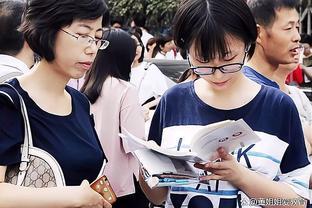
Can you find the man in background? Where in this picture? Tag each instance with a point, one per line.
(16, 57)
(278, 38)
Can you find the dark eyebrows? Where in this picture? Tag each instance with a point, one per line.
(89, 27)
(85, 25)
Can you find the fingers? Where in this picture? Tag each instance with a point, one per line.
(85, 183)
(210, 166)
(225, 163)
(224, 155)
(199, 166)
(211, 177)
(106, 204)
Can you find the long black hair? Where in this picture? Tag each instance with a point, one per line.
(114, 61)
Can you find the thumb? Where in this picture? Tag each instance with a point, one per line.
(85, 183)
(223, 154)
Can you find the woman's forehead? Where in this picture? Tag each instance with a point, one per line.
(95, 24)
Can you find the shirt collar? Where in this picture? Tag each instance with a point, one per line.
(10, 61)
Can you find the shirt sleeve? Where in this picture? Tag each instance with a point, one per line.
(295, 167)
(11, 132)
(156, 128)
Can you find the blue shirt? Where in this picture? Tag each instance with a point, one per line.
(70, 139)
(257, 77)
(280, 155)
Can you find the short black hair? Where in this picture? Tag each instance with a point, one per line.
(139, 20)
(208, 22)
(44, 18)
(11, 40)
(113, 61)
(161, 40)
(116, 19)
(264, 11)
(106, 19)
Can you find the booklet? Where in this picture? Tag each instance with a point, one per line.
(162, 166)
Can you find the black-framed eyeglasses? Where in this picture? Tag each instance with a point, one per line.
(87, 40)
(226, 68)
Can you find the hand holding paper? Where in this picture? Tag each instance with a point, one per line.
(165, 167)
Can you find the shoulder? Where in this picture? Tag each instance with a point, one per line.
(277, 98)
(79, 98)
(117, 86)
(179, 92)
(181, 88)
(299, 92)
(9, 93)
(126, 88)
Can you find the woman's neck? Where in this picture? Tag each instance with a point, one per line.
(45, 77)
(230, 98)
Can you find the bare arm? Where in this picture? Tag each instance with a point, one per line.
(266, 188)
(246, 180)
(57, 197)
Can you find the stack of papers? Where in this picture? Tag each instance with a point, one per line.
(167, 167)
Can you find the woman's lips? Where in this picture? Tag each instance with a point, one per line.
(86, 65)
(220, 84)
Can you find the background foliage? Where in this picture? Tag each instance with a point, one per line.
(158, 13)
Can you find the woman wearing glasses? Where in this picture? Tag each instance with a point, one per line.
(219, 35)
(66, 35)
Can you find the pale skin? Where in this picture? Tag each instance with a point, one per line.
(221, 91)
(46, 86)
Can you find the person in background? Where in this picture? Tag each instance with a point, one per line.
(219, 36)
(117, 22)
(139, 20)
(164, 44)
(306, 41)
(277, 41)
(150, 46)
(147, 78)
(66, 35)
(301, 101)
(16, 57)
(115, 106)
